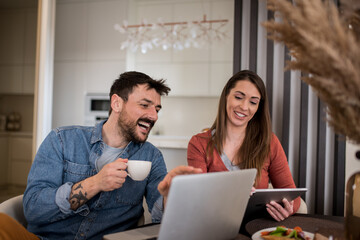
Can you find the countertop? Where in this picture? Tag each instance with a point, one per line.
(160, 141)
(15, 134)
(166, 141)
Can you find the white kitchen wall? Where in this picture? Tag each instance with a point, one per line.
(196, 75)
(88, 58)
(192, 71)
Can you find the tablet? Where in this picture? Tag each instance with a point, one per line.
(256, 207)
(263, 196)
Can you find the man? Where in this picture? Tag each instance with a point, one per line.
(78, 186)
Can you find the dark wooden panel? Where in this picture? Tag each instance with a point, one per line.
(254, 6)
(237, 36)
(286, 106)
(339, 176)
(320, 164)
(339, 169)
(304, 113)
(270, 67)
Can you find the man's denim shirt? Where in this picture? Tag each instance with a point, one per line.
(67, 156)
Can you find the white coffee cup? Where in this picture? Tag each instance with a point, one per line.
(138, 169)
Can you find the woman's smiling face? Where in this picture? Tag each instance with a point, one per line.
(242, 103)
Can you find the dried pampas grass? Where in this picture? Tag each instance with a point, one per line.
(326, 46)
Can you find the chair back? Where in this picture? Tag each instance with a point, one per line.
(14, 208)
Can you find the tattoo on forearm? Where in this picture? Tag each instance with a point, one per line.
(77, 197)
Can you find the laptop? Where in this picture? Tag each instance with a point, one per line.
(200, 206)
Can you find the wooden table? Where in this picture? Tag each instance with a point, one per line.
(325, 225)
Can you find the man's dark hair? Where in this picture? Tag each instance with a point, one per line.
(124, 85)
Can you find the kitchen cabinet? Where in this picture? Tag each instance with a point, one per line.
(17, 50)
(19, 157)
(3, 158)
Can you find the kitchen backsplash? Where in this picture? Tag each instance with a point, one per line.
(185, 116)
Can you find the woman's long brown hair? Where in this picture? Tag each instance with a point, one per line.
(256, 145)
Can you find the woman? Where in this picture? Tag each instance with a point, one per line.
(241, 138)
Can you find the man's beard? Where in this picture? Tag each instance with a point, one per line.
(128, 128)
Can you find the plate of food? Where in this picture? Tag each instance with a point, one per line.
(282, 233)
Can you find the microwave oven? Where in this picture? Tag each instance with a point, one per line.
(97, 107)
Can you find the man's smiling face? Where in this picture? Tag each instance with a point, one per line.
(139, 113)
